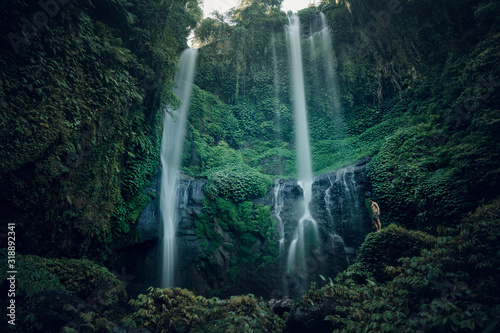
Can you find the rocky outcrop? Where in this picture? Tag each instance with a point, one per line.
(339, 203)
(280, 306)
(190, 248)
(148, 223)
(313, 319)
(338, 206)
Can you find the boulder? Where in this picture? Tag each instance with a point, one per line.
(312, 319)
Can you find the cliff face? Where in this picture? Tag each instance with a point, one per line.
(338, 206)
(80, 86)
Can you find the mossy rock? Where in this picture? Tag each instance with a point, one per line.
(384, 248)
(59, 311)
(81, 277)
(237, 183)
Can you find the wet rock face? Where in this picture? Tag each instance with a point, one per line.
(190, 248)
(148, 220)
(313, 319)
(337, 205)
(280, 306)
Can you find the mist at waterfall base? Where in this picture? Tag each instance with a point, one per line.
(172, 145)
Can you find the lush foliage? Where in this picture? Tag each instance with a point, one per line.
(245, 231)
(179, 310)
(383, 249)
(79, 106)
(45, 285)
(418, 85)
(81, 277)
(441, 289)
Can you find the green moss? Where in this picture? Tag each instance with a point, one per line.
(237, 183)
(385, 248)
(246, 224)
(81, 277)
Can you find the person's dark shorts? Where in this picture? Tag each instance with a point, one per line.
(375, 216)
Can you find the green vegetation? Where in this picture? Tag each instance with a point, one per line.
(443, 287)
(238, 228)
(80, 120)
(383, 249)
(418, 92)
(61, 285)
(179, 310)
(81, 277)
(237, 183)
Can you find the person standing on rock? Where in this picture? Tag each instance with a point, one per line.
(376, 215)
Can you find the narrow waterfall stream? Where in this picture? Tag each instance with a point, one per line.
(278, 206)
(172, 145)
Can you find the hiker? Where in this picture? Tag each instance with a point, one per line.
(376, 215)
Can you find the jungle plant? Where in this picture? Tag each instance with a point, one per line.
(179, 310)
(442, 288)
(237, 183)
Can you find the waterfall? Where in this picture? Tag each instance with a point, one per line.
(343, 207)
(296, 254)
(329, 64)
(278, 206)
(172, 145)
(304, 169)
(323, 75)
(322, 57)
(276, 84)
(328, 196)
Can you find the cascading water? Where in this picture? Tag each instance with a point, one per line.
(276, 84)
(323, 73)
(278, 206)
(345, 213)
(296, 254)
(172, 144)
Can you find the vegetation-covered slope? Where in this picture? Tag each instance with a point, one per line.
(80, 95)
(424, 286)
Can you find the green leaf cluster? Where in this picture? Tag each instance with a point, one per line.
(81, 277)
(39, 279)
(179, 310)
(236, 183)
(245, 230)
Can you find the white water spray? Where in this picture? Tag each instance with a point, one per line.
(172, 145)
(296, 254)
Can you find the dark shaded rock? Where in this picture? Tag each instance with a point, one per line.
(131, 330)
(280, 306)
(148, 221)
(53, 310)
(313, 319)
(339, 203)
(190, 249)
